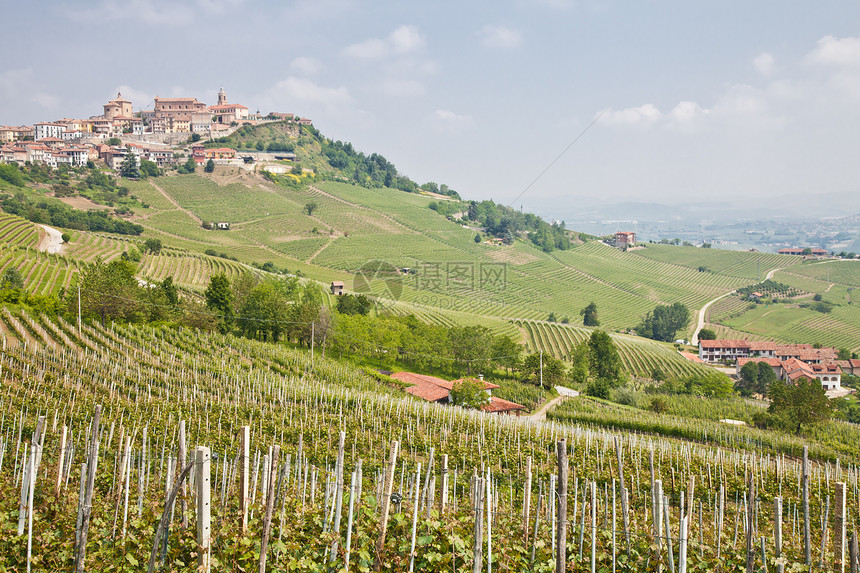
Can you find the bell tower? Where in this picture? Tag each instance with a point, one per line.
(222, 96)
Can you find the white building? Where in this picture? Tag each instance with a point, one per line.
(44, 129)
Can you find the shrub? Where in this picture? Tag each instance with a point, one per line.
(599, 388)
(659, 404)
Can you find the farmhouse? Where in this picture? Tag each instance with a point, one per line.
(435, 389)
(800, 251)
(624, 239)
(791, 370)
(337, 288)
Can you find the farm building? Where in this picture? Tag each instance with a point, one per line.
(624, 239)
(435, 389)
(791, 370)
(722, 350)
(799, 251)
(337, 288)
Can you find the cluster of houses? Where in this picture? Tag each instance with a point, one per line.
(75, 141)
(799, 251)
(790, 362)
(433, 389)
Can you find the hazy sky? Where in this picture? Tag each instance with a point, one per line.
(746, 100)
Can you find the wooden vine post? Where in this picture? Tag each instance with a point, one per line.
(839, 528)
(204, 521)
(624, 505)
(527, 498)
(270, 503)
(87, 507)
(751, 526)
(807, 542)
(244, 466)
(477, 553)
(387, 488)
(561, 522)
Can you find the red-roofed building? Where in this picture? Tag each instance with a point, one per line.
(791, 370)
(435, 389)
(624, 239)
(722, 350)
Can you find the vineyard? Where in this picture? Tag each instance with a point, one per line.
(305, 464)
(640, 356)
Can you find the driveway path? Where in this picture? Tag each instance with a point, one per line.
(563, 394)
(52, 242)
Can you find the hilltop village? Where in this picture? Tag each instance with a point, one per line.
(149, 134)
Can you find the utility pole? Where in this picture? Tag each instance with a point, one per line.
(541, 368)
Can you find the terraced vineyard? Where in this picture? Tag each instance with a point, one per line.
(17, 231)
(640, 356)
(319, 436)
(742, 264)
(42, 273)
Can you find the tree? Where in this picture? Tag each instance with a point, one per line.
(219, 299)
(190, 166)
(799, 404)
(664, 321)
(553, 370)
(129, 168)
(589, 315)
(12, 279)
(470, 345)
(210, 166)
(551, 317)
(264, 312)
(478, 238)
(310, 208)
(353, 304)
(109, 291)
(707, 334)
(469, 393)
(149, 168)
(114, 141)
(579, 360)
(506, 353)
(844, 354)
(603, 358)
(152, 246)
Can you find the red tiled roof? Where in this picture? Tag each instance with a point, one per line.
(500, 405)
(762, 345)
(725, 343)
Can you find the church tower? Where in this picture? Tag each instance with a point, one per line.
(222, 96)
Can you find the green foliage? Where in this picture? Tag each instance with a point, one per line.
(603, 359)
(664, 321)
(219, 299)
(353, 304)
(755, 378)
(589, 315)
(60, 215)
(210, 166)
(469, 393)
(12, 279)
(310, 207)
(108, 291)
(553, 370)
(799, 404)
(477, 238)
(599, 388)
(129, 168)
(114, 141)
(152, 246)
(190, 166)
(707, 334)
(11, 174)
(659, 404)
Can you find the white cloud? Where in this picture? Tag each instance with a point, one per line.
(764, 64)
(404, 40)
(155, 12)
(368, 50)
(644, 115)
(500, 37)
(834, 51)
(686, 113)
(306, 65)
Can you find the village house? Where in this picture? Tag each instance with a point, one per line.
(47, 129)
(799, 251)
(625, 239)
(337, 288)
(224, 112)
(438, 390)
(792, 369)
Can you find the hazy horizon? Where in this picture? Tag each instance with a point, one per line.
(732, 101)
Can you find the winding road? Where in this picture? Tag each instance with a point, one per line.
(52, 242)
(704, 310)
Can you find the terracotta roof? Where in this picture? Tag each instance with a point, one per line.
(340, 284)
(227, 106)
(428, 391)
(761, 345)
(724, 343)
(500, 405)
